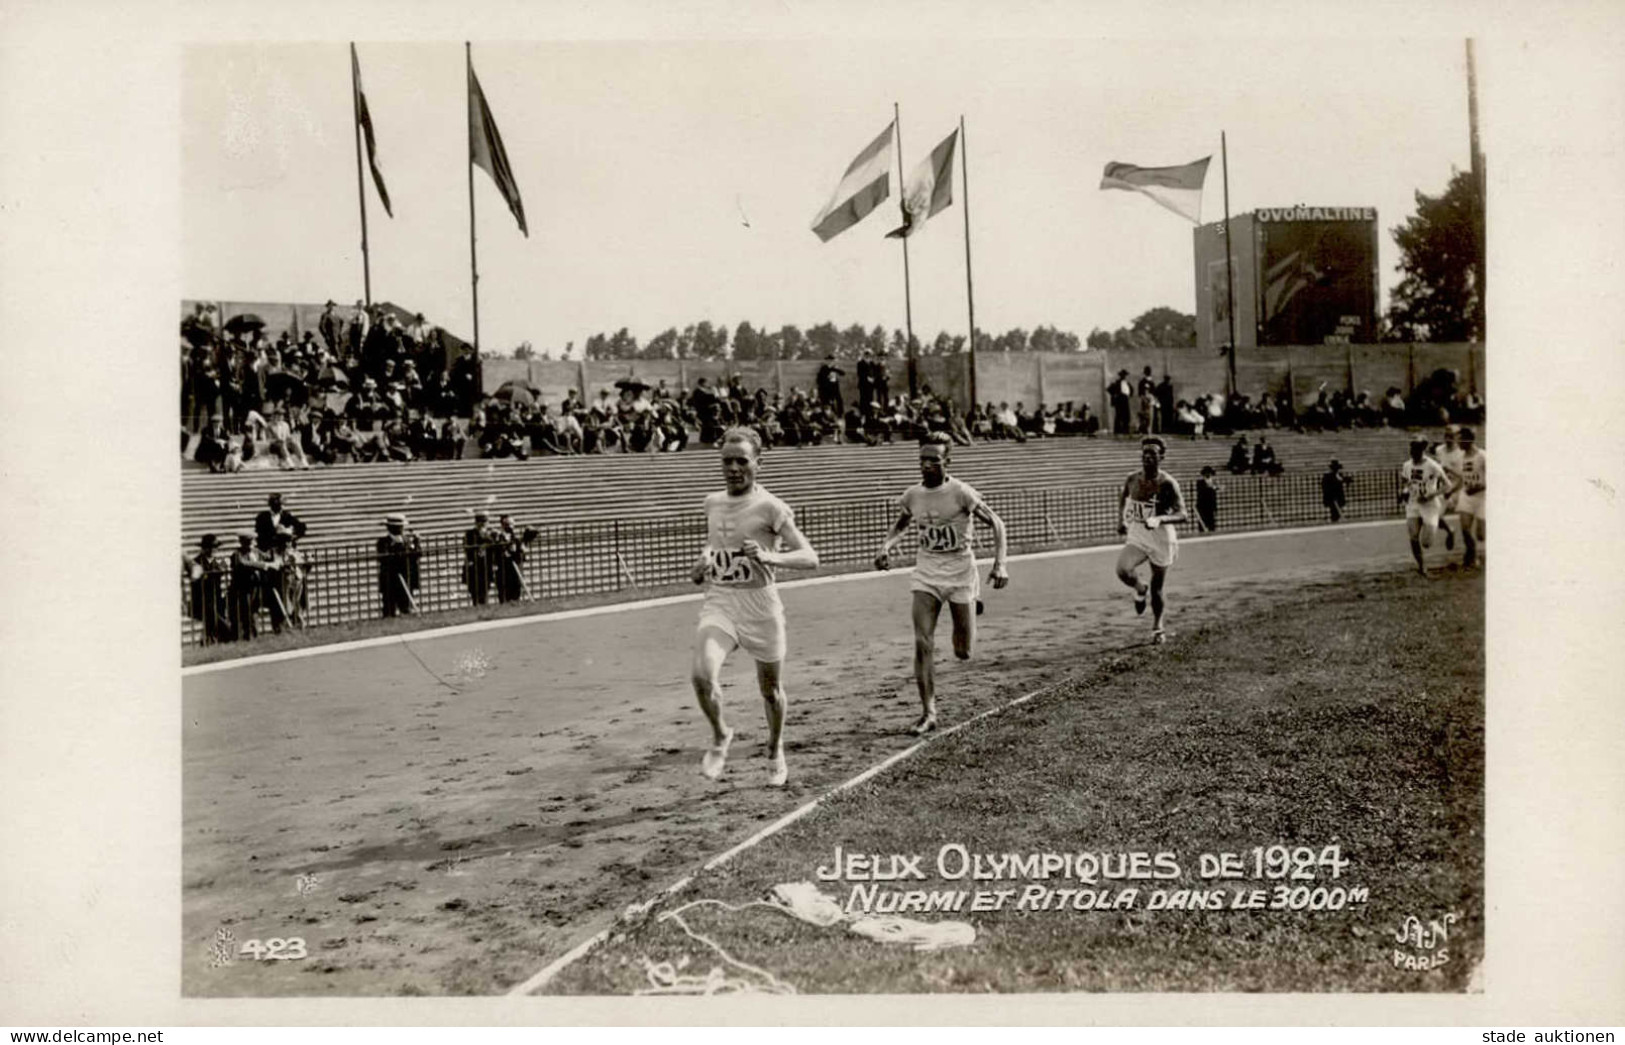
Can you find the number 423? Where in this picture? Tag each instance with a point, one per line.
(275, 949)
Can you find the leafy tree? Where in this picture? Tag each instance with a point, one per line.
(710, 342)
(524, 351)
(1163, 327)
(946, 344)
(854, 339)
(748, 344)
(1013, 340)
(662, 346)
(623, 345)
(876, 341)
(1438, 297)
(1099, 338)
(823, 340)
(597, 347)
(791, 342)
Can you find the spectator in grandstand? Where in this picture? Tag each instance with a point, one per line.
(315, 437)
(1146, 395)
(247, 573)
(852, 427)
(1264, 462)
(1393, 408)
(1207, 501)
(1007, 425)
(1334, 489)
(1189, 421)
(866, 382)
(1118, 392)
(1165, 402)
(1240, 462)
(356, 332)
(331, 326)
(284, 447)
(344, 441)
(671, 428)
(828, 384)
(206, 588)
(275, 519)
(399, 554)
(214, 445)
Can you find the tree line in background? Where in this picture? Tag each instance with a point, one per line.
(1438, 298)
(1159, 327)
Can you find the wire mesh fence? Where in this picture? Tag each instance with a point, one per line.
(334, 585)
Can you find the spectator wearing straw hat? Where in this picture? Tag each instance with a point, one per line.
(399, 552)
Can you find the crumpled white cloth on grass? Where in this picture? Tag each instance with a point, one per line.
(804, 901)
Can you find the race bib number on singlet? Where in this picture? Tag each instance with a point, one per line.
(730, 567)
(939, 537)
(1138, 511)
(1418, 484)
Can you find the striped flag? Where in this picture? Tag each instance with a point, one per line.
(866, 183)
(486, 152)
(930, 188)
(364, 118)
(1177, 188)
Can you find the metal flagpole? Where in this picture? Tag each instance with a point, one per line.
(970, 297)
(360, 181)
(1477, 159)
(473, 255)
(908, 306)
(1229, 272)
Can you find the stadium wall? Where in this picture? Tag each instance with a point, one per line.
(1031, 378)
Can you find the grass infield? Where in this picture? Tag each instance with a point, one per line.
(1347, 714)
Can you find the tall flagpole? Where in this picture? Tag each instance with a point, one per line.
(473, 255)
(360, 182)
(1229, 273)
(970, 296)
(1477, 159)
(908, 306)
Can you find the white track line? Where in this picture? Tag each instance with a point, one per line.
(672, 600)
(587, 946)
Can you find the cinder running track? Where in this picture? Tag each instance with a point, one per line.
(447, 814)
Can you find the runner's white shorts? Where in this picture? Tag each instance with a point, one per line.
(752, 617)
(1160, 545)
(1471, 504)
(949, 582)
(1429, 511)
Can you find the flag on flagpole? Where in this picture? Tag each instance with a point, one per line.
(1177, 188)
(929, 189)
(866, 183)
(486, 151)
(364, 117)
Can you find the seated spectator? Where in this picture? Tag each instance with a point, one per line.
(283, 446)
(567, 428)
(1240, 462)
(214, 445)
(1264, 462)
(1393, 408)
(1189, 420)
(853, 427)
(1006, 425)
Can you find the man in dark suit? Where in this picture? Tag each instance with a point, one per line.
(206, 583)
(479, 558)
(247, 580)
(398, 555)
(332, 328)
(274, 520)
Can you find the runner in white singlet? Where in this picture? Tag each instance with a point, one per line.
(944, 512)
(1148, 507)
(749, 534)
(1423, 494)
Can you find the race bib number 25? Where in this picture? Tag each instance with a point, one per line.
(731, 567)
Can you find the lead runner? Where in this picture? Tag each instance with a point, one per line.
(749, 533)
(1148, 506)
(945, 510)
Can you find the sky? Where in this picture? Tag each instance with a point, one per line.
(640, 162)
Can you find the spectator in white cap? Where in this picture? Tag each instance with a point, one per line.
(398, 556)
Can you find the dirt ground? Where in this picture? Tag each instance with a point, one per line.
(448, 815)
